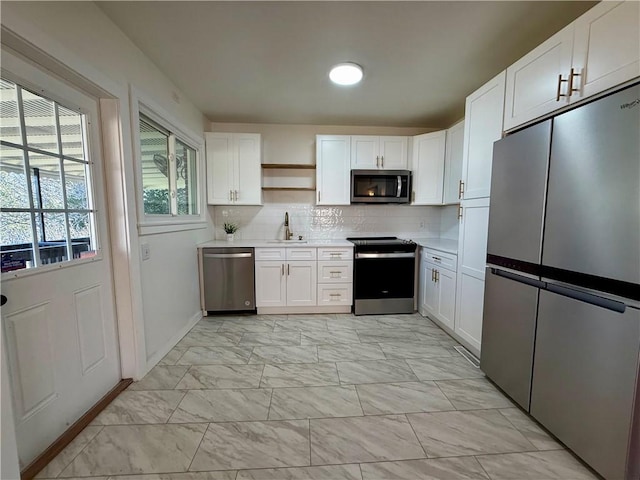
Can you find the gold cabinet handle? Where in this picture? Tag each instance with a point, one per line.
(318, 196)
(437, 276)
(558, 94)
(378, 161)
(231, 195)
(437, 259)
(573, 74)
(282, 272)
(235, 195)
(287, 269)
(382, 161)
(433, 275)
(460, 189)
(459, 212)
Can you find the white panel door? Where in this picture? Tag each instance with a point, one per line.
(532, 82)
(247, 169)
(302, 283)
(606, 47)
(333, 170)
(483, 126)
(271, 284)
(365, 152)
(219, 148)
(447, 297)
(453, 163)
(59, 321)
(393, 152)
(428, 168)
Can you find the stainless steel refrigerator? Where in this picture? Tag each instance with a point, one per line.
(561, 324)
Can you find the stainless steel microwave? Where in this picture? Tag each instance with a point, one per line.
(380, 186)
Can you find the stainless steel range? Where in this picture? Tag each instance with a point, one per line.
(384, 275)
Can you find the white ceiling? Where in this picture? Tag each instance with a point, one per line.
(268, 62)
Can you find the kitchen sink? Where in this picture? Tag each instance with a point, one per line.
(287, 241)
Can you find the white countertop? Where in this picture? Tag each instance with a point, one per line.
(441, 244)
(274, 244)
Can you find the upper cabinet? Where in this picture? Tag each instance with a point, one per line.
(484, 110)
(600, 50)
(233, 169)
(427, 165)
(453, 164)
(332, 169)
(371, 152)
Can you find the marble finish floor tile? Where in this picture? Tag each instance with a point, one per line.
(349, 352)
(285, 354)
(389, 335)
(247, 326)
(416, 350)
(302, 324)
(375, 371)
(299, 375)
(408, 397)
(363, 439)
(551, 465)
(55, 466)
(530, 429)
(462, 468)
(173, 356)
(221, 376)
(273, 338)
(449, 434)
(405, 321)
(162, 377)
(444, 368)
(246, 445)
(329, 337)
(329, 472)
(314, 402)
(139, 407)
(219, 475)
(352, 323)
(215, 356)
(473, 394)
(223, 406)
(210, 339)
(131, 449)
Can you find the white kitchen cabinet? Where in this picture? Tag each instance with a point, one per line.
(483, 125)
(599, 50)
(369, 152)
(453, 164)
(438, 286)
(301, 283)
(472, 258)
(427, 165)
(234, 176)
(333, 169)
(271, 284)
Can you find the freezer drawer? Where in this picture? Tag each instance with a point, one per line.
(228, 279)
(508, 333)
(584, 380)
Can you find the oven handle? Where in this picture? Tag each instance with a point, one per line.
(386, 255)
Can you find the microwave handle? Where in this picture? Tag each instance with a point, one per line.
(399, 186)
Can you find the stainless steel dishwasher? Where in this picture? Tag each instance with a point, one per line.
(228, 279)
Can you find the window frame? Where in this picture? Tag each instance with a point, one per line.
(149, 224)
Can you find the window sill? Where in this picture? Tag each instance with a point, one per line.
(51, 267)
(155, 228)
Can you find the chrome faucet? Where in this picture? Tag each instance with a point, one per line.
(288, 234)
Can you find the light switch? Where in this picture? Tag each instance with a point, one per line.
(145, 251)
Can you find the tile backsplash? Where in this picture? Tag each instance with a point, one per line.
(320, 222)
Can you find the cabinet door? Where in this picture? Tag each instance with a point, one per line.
(301, 283)
(393, 153)
(532, 82)
(219, 148)
(606, 47)
(483, 126)
(365, 152)
(247, 172)
(333, 169)
(453, 163)
(428, 289)
(447, 297)
(428, 168)
(270, 284)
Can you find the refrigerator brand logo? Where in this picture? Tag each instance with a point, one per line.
(635, 103)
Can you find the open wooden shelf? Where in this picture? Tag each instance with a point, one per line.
(289, 165)
(292, 189)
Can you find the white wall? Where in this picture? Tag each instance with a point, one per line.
(79, 35)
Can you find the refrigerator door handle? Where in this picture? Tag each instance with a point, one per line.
(587, 298)
(518, 278)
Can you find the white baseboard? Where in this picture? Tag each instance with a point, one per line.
(304, 310)
(153, 360)
(457, 337)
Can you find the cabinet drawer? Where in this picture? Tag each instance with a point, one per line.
(340, 253)
(444, 260)
(301, 253)
(335, 272)
(270, 253)
(340, 294)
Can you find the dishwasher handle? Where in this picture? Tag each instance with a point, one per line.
(228, 255)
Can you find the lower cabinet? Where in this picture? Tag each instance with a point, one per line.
(288, 283)
(437, 294)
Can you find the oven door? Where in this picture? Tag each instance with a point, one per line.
(384, 275)
(374, 186)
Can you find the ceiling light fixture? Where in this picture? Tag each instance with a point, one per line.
(346, 73)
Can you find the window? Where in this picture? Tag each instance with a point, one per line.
(169, 172)
(46, 206)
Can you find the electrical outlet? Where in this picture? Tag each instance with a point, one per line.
(422, 224)
(145, 251)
